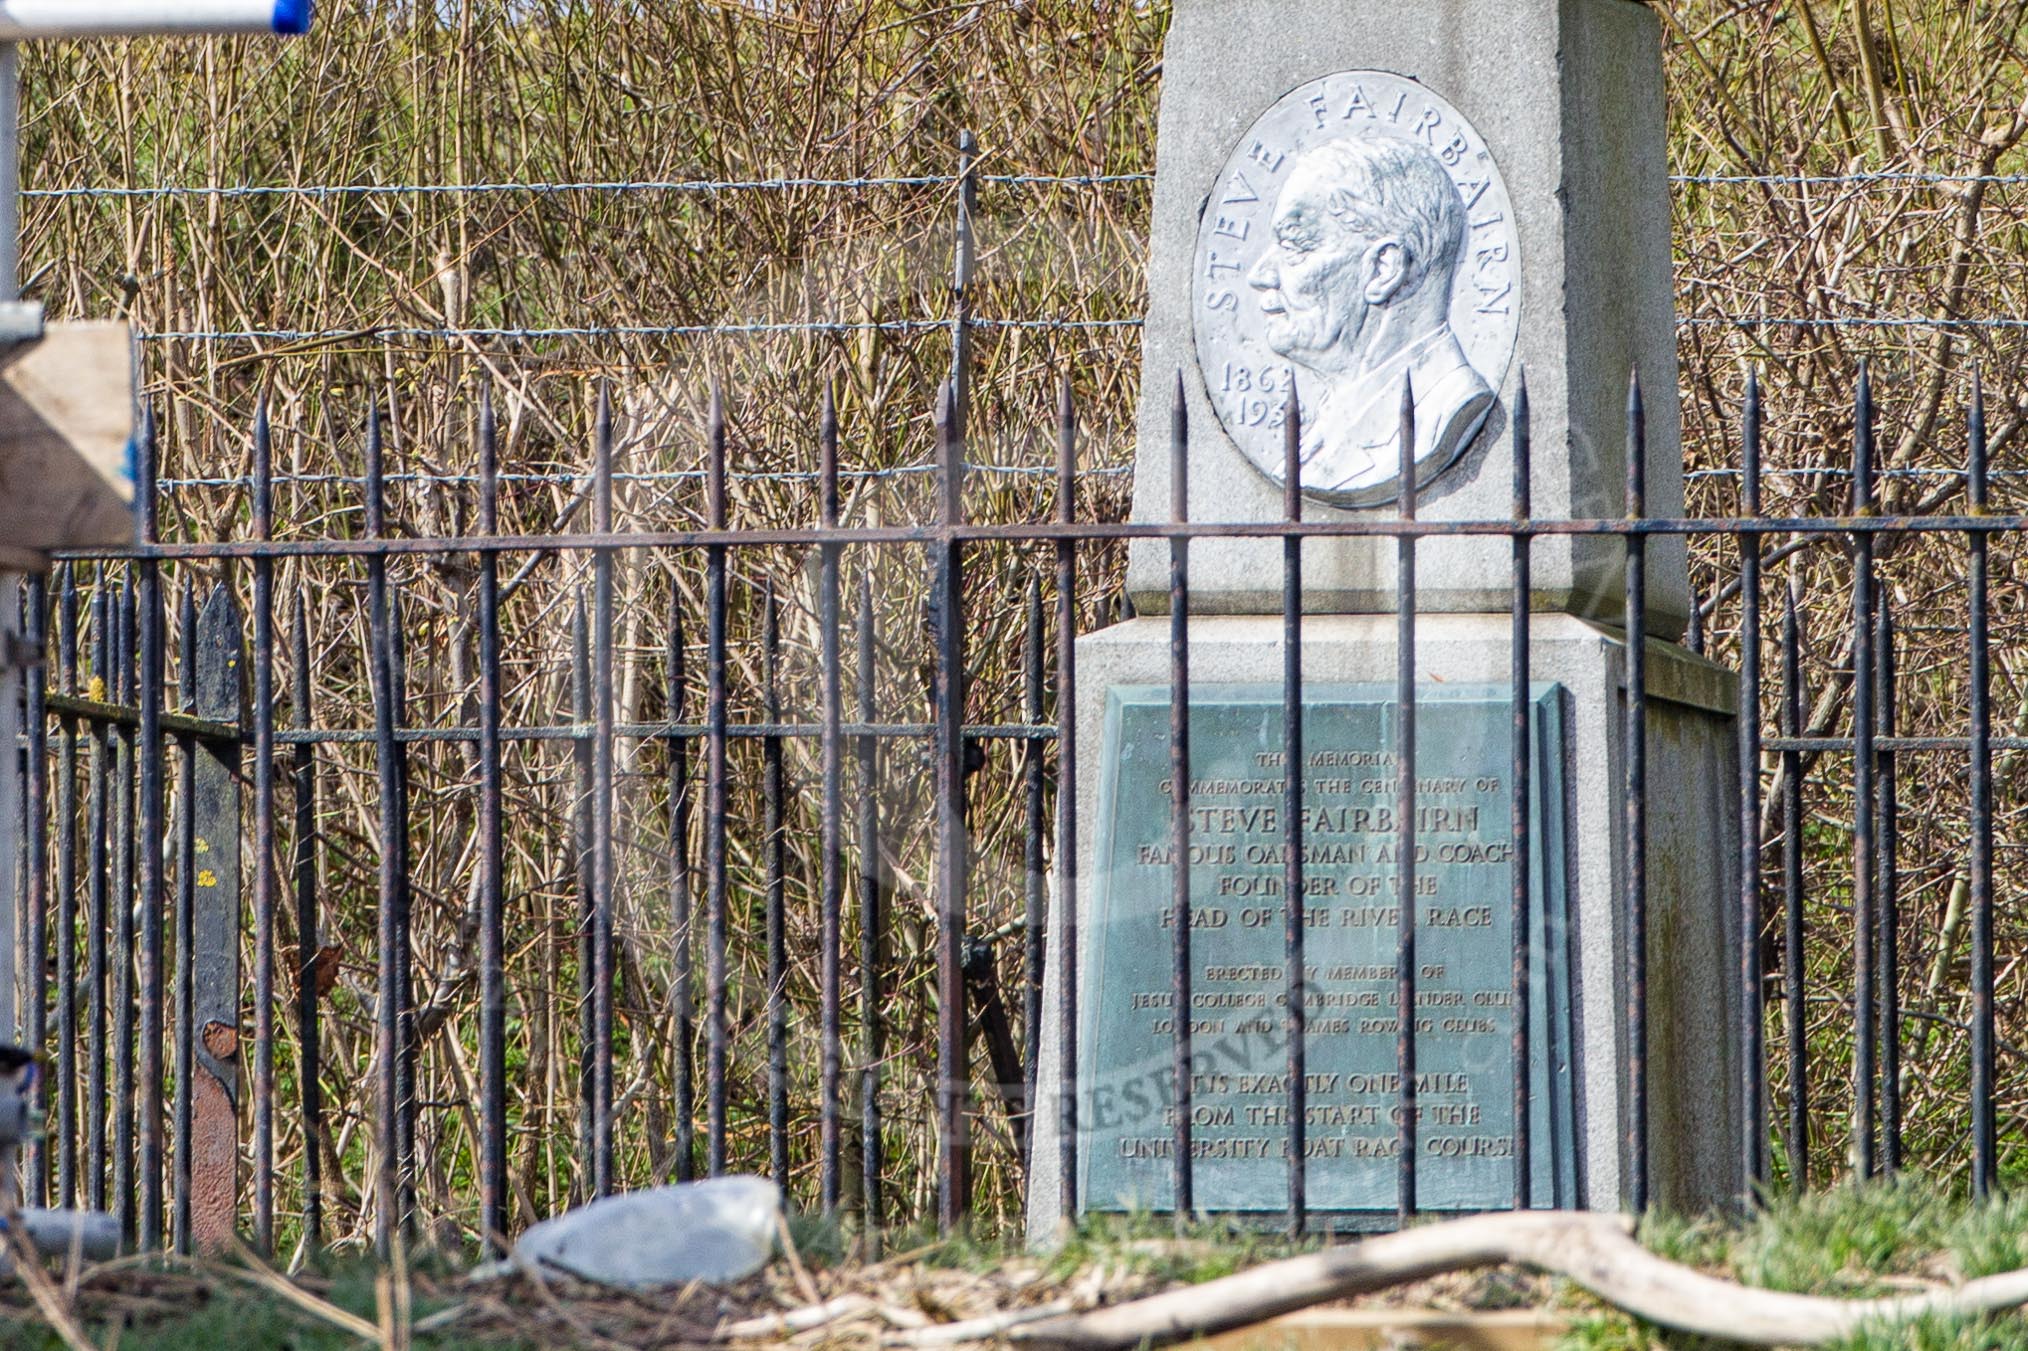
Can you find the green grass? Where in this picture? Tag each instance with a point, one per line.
(1846, 1242)
(1148, 1246)
(256, 1323)
(1850, 1243)
(1945, 1334)
(241, 1316)
(1140, 1245)
(224, 1311)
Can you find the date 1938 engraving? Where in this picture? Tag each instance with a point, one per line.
(1359, 235)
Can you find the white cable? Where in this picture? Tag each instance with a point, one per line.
(28, 20)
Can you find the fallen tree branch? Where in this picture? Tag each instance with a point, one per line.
(257, 1272)
(980, 1329)
(774, 1325)
(25, 1260)
(1597, 1252)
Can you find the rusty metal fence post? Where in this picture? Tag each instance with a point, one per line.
(214, 869)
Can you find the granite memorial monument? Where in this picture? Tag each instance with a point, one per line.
(1351, 194)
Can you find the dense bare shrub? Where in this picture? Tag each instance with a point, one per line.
(414, 300)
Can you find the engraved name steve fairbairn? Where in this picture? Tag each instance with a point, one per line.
(1358, 236)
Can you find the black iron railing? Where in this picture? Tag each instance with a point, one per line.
(119, 996)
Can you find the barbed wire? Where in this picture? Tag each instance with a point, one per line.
(1881, 178)
(1845, 471)
(924, 325)
(704, 186)
(620, 330)
(708, 186)
(512, 333)
(1847, 321)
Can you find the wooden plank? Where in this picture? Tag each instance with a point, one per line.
(66, 436)
(215, 925)
(1397, 1330)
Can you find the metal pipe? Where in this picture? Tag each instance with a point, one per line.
(493, 1192)
(1752, 995)
(126, 1003)
(1086, 532)
(406, 1039)
(66, 901)
(34, 20)
(1521, 835)
(774, 895)
(388, 1219)
(184, 971)
(98, 922)
(953, 1072)
(1181, 971)
(1294, 969)
(604, 877)
(872, 924)
(1034, 880)
(309, 967)
(35, 871)
(583, 772)
(1864, 1062)
(150, 848)
(1888, 883)
(1067, 954)
(1636, 767)
(715, 797)
(1793, 968)
(1404, 808)
(1985, 1134)
(264, 841)
(681, 899)
(831, 882)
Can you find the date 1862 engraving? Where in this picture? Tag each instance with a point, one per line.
(1359, 234)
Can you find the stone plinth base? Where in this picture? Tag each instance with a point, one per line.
(1691, 868)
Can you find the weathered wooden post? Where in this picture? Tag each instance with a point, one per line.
(67, 455)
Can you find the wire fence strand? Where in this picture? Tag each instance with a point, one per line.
(707, 186)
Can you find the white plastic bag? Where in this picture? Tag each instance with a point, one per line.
(715, 1231)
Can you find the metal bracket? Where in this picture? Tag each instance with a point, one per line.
(217, 1051)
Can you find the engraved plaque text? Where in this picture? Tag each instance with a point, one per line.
(1464, 912)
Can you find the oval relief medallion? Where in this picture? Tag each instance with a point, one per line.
(1359, 235)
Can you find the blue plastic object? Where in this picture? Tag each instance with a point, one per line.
(292, 16)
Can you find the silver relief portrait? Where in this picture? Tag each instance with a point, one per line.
(1358, 237)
